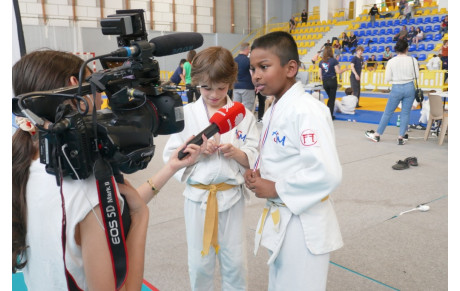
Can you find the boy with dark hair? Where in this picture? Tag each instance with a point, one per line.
(177, 77)
(296, 171)
(348, 103)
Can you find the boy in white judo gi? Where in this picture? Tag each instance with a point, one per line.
(348, 103)
(215, 191)
(297, 170)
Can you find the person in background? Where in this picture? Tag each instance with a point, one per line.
(408, 11)
(243, 89)
(371, 63)
(348, 103)
(177, 77)
(329, 68)
(374, 10)
(292, 24)
(419, 36)
(411, 34)
(434, 63)
(327, 43)
(191, 90)
(353, 41)
(402, 34)
(399, 72)
(344, 40)
(402, 6)
(444, 26)
(356, 68)
(387, 55)
(444, 51)
(304, 16)
(297, 170)
(214, 191)
(316, 57)
(337, 48)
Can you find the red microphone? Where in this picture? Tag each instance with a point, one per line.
(224, 120)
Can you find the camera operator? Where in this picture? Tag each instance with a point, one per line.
(38, 210)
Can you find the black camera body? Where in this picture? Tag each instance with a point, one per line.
(139, 109)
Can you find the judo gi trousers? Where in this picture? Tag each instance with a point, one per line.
(232, 253)
(295, 268)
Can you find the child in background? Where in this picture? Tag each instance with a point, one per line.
(215, 191)
(348, 103)
(297, 170)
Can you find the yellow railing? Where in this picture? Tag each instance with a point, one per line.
(375, 80)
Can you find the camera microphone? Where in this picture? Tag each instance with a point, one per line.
(224, 120)
(164, 45)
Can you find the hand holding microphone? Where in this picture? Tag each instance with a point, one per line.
(224, 120)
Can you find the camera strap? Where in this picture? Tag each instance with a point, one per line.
(111, 213)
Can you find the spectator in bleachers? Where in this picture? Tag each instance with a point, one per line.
(344, 40)
(292, 24)
(408, 11)
(387, 55)
(374, 10)
(316, 57)
(443, 28)
(443, 51)
(328, 70)
(434, 63)
(304, 16)
(337, 48)
(411, 35)
(356, 68)
(402, 34)
(328, 43)
(371, 63)
(353, 41)
(402, 6)
(420, 35)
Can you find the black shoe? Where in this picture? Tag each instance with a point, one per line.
(412, 161)
(401, 141)
(400, 165)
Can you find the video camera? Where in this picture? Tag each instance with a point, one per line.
(139, 108)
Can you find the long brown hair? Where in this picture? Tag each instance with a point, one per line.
(37, 71)
(327, 53)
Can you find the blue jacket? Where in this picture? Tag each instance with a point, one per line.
(244, 80)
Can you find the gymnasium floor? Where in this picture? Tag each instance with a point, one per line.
(383, 250)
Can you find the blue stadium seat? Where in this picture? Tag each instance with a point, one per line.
(389, 39)
(428, 37)
(362, 25)
(373, 49)
(365, 58)
(397, 22)
(379, 58)
(375, 40)
(390, 23)
(411, 21)
(368, 32)
(427, 20)
(360, 33)
(382, 40)
(435, 19)
(382, 31)
(430, 47)
(421, 47)
(437, 37)
(396, 30)
(383, 23)
(366, 49)
(381, 49)
(422, 57)
(375, 32)
(436, 27)
(412, 48)
(419, 21)
(427, 29)
(361, 41)
(404, 21)
(389, 31)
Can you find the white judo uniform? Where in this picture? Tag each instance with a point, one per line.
(212, 170)
(300, 227)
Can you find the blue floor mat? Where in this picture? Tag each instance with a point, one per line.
(373, 117)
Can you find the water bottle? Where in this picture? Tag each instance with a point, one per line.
(398, 122)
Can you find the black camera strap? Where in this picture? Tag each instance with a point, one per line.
(110, 208)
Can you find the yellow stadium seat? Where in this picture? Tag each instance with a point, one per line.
(324, 22)
(434, 11)
(334, 21)
(365, 11)
(300, 44)
(356, 26)
(329, 22)
(335, 15)
(308, 37)
(321, 29)
(396, 15)
(304, 37)
(445, 37)
(327, 29)
(358, 18)
(443, 11)
(297, 19)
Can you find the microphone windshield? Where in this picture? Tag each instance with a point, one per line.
(176, 43)
(228, 117)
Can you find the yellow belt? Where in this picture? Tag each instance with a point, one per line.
(211, 222)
